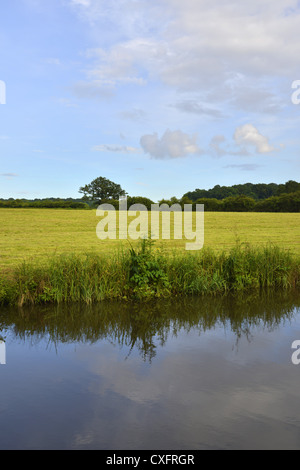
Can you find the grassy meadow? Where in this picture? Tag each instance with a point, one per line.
(37, 234)
(55, 256)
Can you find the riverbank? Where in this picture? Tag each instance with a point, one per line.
(144, 273)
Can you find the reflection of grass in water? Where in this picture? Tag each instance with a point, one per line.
(145, 326)
(145, 273)
(27, 234)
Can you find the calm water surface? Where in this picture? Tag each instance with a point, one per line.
(192, 374)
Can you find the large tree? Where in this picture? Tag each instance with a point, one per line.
(101, 189)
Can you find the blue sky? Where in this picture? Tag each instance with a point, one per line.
(160, 96)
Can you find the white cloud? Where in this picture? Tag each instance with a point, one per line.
(115, 148)
(195, 107)
(173, 144)
(127, 18)
(130, 62)
(217, 38)
(249, 135)
(195, 44)
(244, 137)
(85, 3)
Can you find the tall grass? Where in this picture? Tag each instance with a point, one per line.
(145, 273)
(241, 269)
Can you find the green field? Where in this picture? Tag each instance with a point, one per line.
(29, 234)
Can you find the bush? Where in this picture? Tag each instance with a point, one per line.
(146, 272)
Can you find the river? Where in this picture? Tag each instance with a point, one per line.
(196, 373)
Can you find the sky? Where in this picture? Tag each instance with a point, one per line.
(159, 96)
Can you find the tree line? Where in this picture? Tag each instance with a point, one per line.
(258, 191)
(238, 198)
(284, 203)
(51, 203)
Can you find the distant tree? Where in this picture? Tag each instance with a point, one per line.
(139, 200)
(174, 200)
(238, 204)
(185, 200)
(289, 202)
(289, 187)
(210, 204)
(165, 201)
(101, 189)
(267, 205)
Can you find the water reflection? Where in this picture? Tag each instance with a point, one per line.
(196, 373)
(147, 326)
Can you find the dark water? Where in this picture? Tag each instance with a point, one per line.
(192, 374)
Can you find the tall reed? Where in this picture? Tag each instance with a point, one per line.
(147, 273)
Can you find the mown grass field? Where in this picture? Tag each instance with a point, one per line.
(37, 234)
